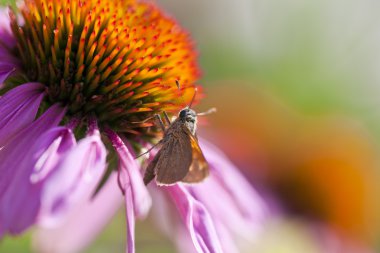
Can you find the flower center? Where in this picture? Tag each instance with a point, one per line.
(117, 60)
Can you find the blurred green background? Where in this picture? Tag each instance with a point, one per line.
(318, 60)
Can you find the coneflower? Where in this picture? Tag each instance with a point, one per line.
(79, 82)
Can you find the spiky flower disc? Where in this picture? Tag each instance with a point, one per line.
(117, 60)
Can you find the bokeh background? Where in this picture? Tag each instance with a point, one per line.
(297, 86)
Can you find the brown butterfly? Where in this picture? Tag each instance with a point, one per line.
(180, 157)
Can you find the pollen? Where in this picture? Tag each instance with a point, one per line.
(117, 60)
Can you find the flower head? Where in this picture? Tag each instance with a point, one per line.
(115, 60)
(79, 82)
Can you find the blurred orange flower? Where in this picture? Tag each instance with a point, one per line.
(323, 168)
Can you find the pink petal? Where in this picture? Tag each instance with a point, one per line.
(197, 219)
(76, 173)
(232, 218)
(19, 107)
(229, 221)
(85, 221)
(169, 221)
(185, 244)
(130, 218)
(183, 240)
(249, 202)
(130, 175)
(14, 154)
(58, 141)
(137, 198)
(19, 199)
(238, 211)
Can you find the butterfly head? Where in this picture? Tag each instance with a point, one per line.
(189, 118)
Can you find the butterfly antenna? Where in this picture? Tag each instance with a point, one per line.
(192, 100)
(179, 88)
(178, 84)
(209, 111)
(195, 93)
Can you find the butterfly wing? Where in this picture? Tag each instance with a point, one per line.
(150, 170)
(175, 156)
(199, 167)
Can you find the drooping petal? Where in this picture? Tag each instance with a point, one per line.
(19, 199)
(130, 218)
(177, 231)
(19, 107)
(169, 221)
(238, 211)
(16, 156)
(224, 208)
(129, 170)
(248, 201)
(59, 140)
(229, 222)
(185, 244)
(137, 198)
(83, 224)
(197, 219)
(71, 178)
(236, 225)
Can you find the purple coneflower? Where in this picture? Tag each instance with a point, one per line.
(79, 79)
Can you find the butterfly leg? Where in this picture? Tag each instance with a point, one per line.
(167, 119)
(143, 121)
(162, 126)
(160, 122)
